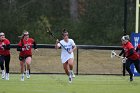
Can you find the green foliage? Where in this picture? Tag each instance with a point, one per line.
(99, 22)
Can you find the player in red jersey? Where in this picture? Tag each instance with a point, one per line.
(25, 47)
(131, 55)
(138, 50)
(4, 55)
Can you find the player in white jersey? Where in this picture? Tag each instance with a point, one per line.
(67, 55)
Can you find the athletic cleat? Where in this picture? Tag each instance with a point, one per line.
(3, 74)
(131, 78)
(28, 76)
(22, 78)
(7, 76)
(70, 79)
(73, 75)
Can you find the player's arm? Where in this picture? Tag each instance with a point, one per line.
(131, 52)
(138, 48)
(121, 53)
(73, 46)
(34, 45)
(19, 47)
(7, 45)
(57, 44)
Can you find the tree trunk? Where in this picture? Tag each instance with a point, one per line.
(74, 10)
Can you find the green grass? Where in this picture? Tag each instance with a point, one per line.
(59, 84)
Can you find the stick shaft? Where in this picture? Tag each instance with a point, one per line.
(119, 56)
(56, 38)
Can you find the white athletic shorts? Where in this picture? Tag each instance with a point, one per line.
(65, 58)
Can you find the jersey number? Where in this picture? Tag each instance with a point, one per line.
(68, 49)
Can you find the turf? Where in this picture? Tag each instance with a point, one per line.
(59, 84)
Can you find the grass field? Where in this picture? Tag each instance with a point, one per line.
(59, 84)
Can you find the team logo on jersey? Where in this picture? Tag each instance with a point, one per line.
(27, 46)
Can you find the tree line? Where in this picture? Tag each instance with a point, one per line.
(98, 22)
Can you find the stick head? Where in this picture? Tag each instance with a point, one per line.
(124, 60)
(113, 54)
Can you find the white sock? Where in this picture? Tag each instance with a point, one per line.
(70, 72)
(22, 74)
(27, 71)
(3, 71)
(7, 74)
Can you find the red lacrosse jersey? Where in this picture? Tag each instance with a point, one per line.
(2, 50)
(27, 46)
(138, 50)
(127, 47)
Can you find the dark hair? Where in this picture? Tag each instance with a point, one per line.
(64, 31)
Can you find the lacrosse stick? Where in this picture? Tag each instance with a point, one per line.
(114, 54)
(47, 28)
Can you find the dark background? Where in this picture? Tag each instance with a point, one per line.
(98, 22)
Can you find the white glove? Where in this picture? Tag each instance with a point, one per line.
(23, 49)
(124, 60)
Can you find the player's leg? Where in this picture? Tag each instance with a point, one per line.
(2, 67)
(128, 64)
(28, 62)
(137, 65)
(7, 62)
(22, 70)
(65, 66)
(71, 63)
(2, 70)
(22, 62)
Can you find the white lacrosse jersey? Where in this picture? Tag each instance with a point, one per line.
(65, 56)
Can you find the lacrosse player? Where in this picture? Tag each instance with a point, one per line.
(130, 54)
(4, 55)
(67, 57)
(138, 50)
(25, 56)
